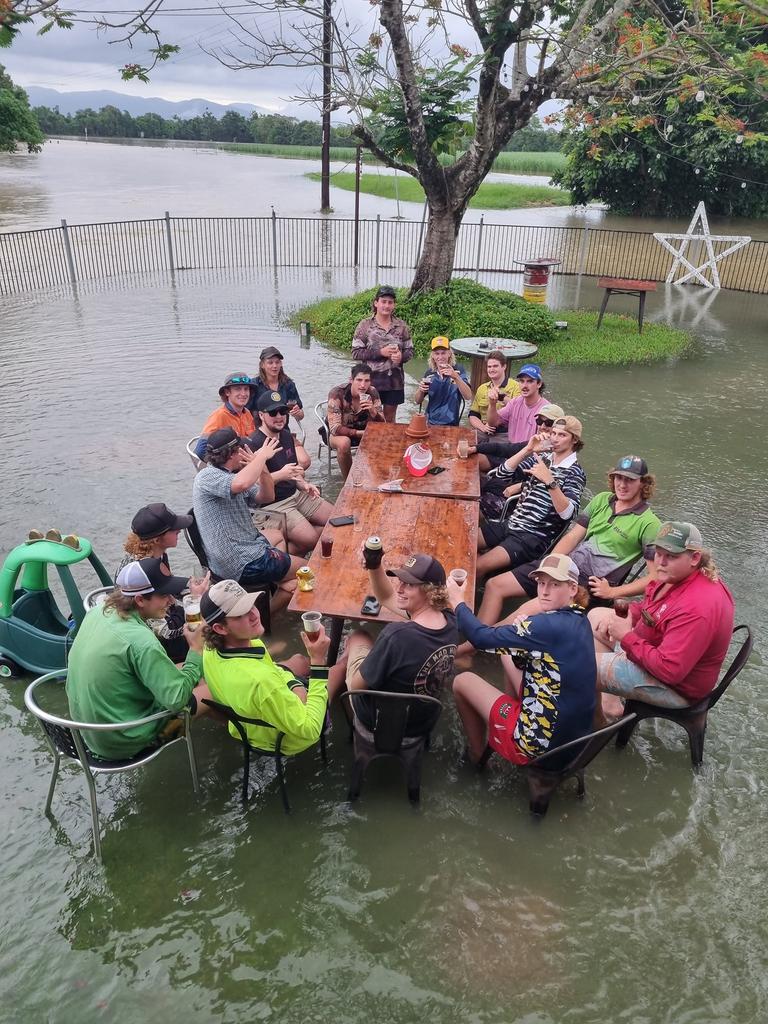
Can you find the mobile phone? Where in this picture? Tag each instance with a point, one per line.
(436, 469)
(370, 606)
(342, 520)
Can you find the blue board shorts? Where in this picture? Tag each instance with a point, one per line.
(617, 674)
(271, 567)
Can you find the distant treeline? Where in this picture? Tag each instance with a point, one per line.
(274, 129)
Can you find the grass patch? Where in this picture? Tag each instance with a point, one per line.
(488, 197)
(505, 163)
(467, 309)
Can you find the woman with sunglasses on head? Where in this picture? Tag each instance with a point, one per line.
(235, 393)
(271, 377)
(383, 342)
(616, 528)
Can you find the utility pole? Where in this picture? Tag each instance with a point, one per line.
(325, 156)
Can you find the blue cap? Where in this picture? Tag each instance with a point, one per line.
(530, 370)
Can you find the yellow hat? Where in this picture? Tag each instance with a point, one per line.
(440, 342)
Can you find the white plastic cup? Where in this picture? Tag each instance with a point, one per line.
(462, 448)
(458, 576)
(311, 621)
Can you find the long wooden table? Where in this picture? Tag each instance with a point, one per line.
(379, 458)
(445, 528)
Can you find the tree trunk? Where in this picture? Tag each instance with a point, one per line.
(436, 263)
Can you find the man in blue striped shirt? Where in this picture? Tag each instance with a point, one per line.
(548, 502)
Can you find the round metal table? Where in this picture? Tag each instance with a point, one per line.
(478, 349)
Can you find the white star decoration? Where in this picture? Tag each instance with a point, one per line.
(702, 234)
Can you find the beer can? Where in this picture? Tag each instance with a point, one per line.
(306, 578)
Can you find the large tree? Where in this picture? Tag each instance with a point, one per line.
(17, 122)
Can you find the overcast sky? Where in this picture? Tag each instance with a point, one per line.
(82, 59)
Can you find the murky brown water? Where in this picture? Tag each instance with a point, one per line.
(645, 903)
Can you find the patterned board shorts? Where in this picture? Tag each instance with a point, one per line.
(617, 674)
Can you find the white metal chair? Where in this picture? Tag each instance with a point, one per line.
(320, 411)
(97, 596)
(197, 462)
(64, 739)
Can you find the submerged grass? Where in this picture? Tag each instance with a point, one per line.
(617, 342)
(494, 196)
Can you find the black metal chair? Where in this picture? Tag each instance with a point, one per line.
(693, 718)
(277, 755)
(543, 781)
(390, 713)
(264, 590)
(64, 739)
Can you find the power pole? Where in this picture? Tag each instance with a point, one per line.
(325, 155)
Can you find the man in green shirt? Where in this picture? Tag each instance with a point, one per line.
(241, 673)
(118, 670)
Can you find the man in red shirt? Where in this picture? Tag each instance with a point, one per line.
(670, 651)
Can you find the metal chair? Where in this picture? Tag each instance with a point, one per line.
(197, 462)
(97, 596)
(64, 739)
(320, 411)
(461, 407)
(277, 755)
(390, 713)
(543, 780)
(264, 590)
(693, 718)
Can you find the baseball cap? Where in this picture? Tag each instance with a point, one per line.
(226, 598)
(155, 519)
(268, 401)
(269, 352)
(679, 537)
(233, 379)
(569, 423)
(440, 342)
(632, 466)
(420, 569)
(386, 290)
(223, 438)
(559, 567)
(530, 370)
(149, 576)
(551, 412)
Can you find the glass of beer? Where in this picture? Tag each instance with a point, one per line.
(192, 615)
(326, 545)
(311, 622)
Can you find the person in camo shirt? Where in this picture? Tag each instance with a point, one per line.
(383, 341)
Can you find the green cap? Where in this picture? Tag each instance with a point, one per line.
(679, 537)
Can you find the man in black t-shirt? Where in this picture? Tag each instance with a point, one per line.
(306, 512)
(412, 656)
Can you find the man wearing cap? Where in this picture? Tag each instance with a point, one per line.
(383, 341)
(518, 416)
(670, 650)
(615, 529)
(272, 377)
(549, 698)
(444, 384)
(240, 672)
(549, 500)
(305, 510)
(234, 477)
(351, 407)
(154, 530)
(118, 670)
(234, 393)
(412, 656)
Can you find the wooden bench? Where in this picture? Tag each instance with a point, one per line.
(625, 286)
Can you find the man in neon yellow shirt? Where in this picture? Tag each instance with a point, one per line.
(499, 386)
(241, 673)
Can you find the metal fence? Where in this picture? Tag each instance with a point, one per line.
(31, 260)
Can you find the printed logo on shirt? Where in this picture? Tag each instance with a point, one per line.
(437, 671)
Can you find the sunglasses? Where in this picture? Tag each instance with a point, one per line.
(282, 411)
(238, 380)
(542, 422)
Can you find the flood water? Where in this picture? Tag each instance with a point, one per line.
(644, 903)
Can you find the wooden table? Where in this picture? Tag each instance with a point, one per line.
(380, 458)
(625, 286)
(480, 348)
(408, 524)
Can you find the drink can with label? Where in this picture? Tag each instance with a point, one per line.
(306, 578)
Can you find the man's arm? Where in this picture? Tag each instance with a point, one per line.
(383, 590)
(362, 349)
(530, 635)
(407, 348)
(574, 536)
(336, 427)
(254, 471)
(171, 686)
(685, 639)
(376, 412)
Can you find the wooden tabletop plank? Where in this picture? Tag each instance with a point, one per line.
(380, 458)
(627, 283)
(407, 524)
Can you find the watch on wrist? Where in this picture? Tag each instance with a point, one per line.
(551, 485)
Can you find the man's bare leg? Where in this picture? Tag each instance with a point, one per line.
(474, 700)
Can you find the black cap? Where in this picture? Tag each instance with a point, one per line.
(233, 379)
(268, 401)
(632, 466)
(420, 569)
(386, 290)
(222, 439)
(149, 576)
(156, 519)
(269, 352)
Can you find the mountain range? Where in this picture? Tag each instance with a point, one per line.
(71, 102)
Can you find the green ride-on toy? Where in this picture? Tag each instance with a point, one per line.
(34, 635)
